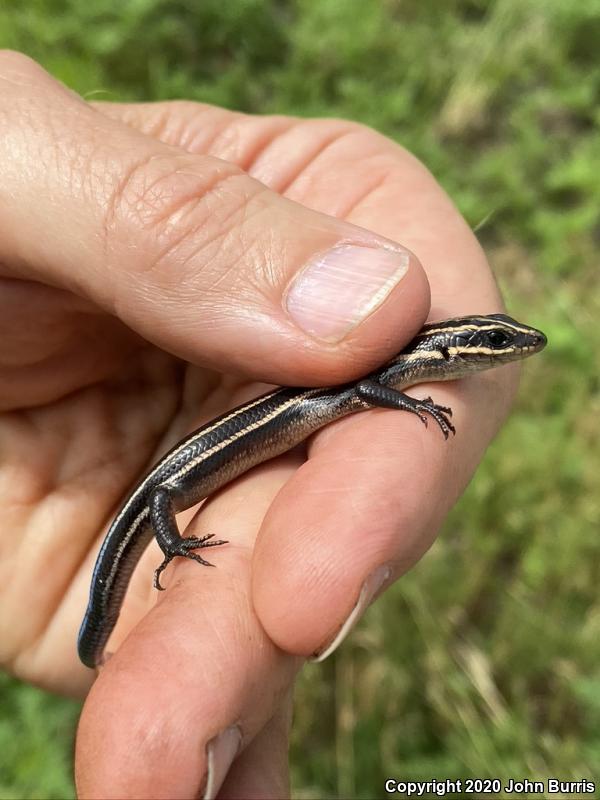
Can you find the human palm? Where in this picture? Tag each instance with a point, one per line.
(87, 406)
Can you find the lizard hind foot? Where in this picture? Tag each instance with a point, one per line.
(183, 549)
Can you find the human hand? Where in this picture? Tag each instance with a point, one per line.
(129, 251)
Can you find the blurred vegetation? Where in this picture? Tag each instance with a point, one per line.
(485, 660)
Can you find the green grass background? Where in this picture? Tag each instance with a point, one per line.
(485, 660)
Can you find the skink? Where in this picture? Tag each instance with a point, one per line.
(265, 427)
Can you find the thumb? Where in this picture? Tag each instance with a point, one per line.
(188, 250)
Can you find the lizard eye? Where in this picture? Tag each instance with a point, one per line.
(498, 339)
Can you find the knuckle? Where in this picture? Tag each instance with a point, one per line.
(201, 129)
(184, 108)
(14, 65)
(334, 129)
(27, 106)
(178, 211)
(29, 92)
(184, 124)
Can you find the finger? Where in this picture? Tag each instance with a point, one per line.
(197, 680)
(262, 770)
(190, 251)
(362, 510)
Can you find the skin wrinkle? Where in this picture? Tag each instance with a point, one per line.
(78, 477)
(195, 198)
(30, 491)
(199, 139)
(248, 161)
(57, 341)
(131, 192)
(225, 219)
(200, 256)
(167, 124)
(228, 139)
(32, 544)
(195, 138)
(264, 280)
(299, 187)
(262, 135)
(285, 186)
(199, 142)
(321, 152)
(222, 241)
(133, 185)
(217, 307)
(73, 378)
(159, 203)
(369, 193)
(299, 148)
(72, 466)
(384, 157)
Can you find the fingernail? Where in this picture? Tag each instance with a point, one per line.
(221, 752)
(369, 589)
(338, 289)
